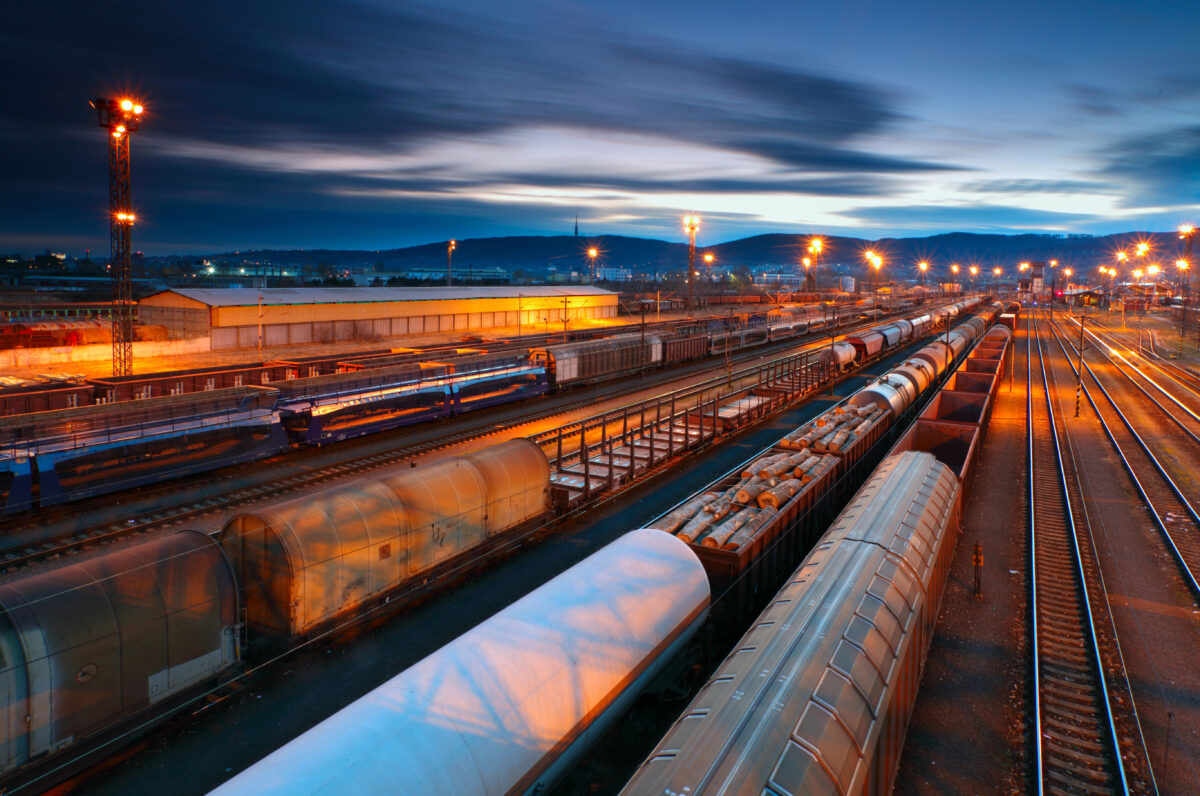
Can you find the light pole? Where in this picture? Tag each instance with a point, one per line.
(876, 262)
(592, 254)
(954, 270)
(815, 247)
(708, 261)
(923, 266)
(974, 273)
(1186, 232)
(996, 278)
(691, 224)
(450, 247)
(121, 118)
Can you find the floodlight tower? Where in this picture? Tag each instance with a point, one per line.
(121, 118)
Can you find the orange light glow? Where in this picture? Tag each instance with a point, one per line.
(593, 252)
(126, 105)
(116, 134)
(1152, 270)
(974, 270)
(807, 262)
(137, 110)
(1182, 265)
(954, 268)
(1186, 230)
(996, 270)
(1024, 266)
(691, 223)
(1142, 248)
(1122, 256)
(709, 257)
(924, 266)
(1067, 271)
(815, 245)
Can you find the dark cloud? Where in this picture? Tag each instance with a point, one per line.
(1037, 186)
(1158, 169)
(353, 78)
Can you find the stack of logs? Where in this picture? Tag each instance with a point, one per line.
(728, 520)
(834, 431)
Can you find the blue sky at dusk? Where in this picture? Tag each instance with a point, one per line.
(381, 124)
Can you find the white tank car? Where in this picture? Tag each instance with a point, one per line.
(507, 706)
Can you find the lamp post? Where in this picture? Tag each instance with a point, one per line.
(876, 262)
(923, 266)
(996, 276)
(691, 224)
(1186, 232)
(709, 257)
(815, 247)
(974, 273)
(592, 254)
(954, 271)
(450, 247)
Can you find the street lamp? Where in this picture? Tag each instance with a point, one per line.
(815, 247)
(691, 224)
(593, 253)
(924, 266)
(450, 247)
(709, 257)
(1186, 232)
(974, 273)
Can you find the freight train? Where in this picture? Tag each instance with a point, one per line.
(116, 639)
(83, 446)
(834, 660)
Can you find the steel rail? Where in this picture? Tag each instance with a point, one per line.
(1173, 546)
(1078, 747)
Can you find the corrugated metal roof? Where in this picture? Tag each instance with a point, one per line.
(244, 297)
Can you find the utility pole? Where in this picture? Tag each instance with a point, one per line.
(643, 368)
(121, 118)
(450, 247)
(1187, 232)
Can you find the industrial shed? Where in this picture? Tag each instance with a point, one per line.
(233, 317)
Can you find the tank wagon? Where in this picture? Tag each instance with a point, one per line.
(506, 707)
(817, 695)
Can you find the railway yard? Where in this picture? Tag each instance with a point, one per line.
(812, 550)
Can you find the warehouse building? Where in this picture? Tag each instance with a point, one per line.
(233, 318)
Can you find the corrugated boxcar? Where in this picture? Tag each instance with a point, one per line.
(307, 561)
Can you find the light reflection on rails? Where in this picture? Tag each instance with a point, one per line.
(1076, 742)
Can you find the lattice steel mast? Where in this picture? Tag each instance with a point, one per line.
(121, 118)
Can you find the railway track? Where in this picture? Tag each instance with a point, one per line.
(1077, 749)
(1174, 515)
(480, 426)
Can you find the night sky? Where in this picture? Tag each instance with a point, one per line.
(383, 124)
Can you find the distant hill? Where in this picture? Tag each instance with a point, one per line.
(535, 255)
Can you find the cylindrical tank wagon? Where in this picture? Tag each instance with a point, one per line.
(305, 562)
(506, 707)
(88, 645)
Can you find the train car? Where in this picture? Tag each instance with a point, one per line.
(508, 706)
(183, 382)
(89, 645)
(96, 450)
(866, 344)
(685, 346)
(841, 354)
(44, 398)
(490, 388)
(305, 562)
(16, 482)
(816, 696)
(568, 364)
